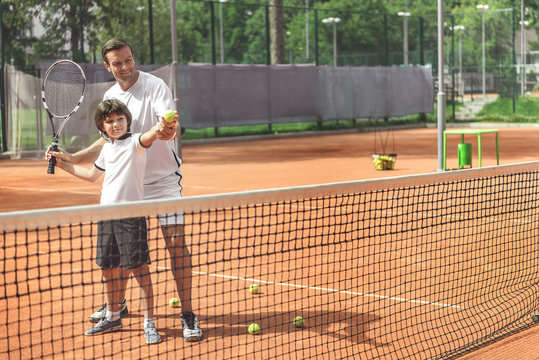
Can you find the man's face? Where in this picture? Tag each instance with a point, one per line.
(121, 64)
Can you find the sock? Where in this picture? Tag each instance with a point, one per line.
(146, 321)
(113, 315)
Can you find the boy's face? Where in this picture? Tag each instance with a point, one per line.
(115, 126)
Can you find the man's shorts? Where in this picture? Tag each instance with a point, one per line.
(169, 187)
(122, 243)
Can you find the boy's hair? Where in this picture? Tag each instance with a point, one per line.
(107, 108)
(114, 44)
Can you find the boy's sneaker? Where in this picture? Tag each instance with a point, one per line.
(104, 326)
(100, 314)
(191, 330)
(150, 332)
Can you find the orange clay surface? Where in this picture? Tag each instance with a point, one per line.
(282, 161)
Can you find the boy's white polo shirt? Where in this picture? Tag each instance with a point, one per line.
(124, 163)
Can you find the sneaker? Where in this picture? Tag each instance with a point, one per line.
(150, 332)
(191, 330)
(100, 314)
(105, 326)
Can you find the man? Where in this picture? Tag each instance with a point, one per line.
(148, 98)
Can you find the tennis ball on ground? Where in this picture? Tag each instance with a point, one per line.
(253, 289)
(169, 115)
(254, 329)
(174, 302)
(298, 321)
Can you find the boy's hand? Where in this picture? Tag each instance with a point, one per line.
(166, 130)
(61, 154)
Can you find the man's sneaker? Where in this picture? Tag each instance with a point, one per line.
(150, 332)
(104, 326)
(100, 314)
(191, 330)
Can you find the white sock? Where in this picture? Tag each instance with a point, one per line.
(113, 315)
(146, 321)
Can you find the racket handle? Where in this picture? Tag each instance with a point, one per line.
(52, 161)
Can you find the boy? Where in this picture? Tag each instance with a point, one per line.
(121, 244)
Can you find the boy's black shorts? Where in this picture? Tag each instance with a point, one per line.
(122, 243)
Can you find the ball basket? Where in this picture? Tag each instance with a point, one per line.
(383, 161)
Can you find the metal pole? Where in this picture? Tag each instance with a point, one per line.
(483, 50)
(81, 26)
(406, 33)
(221, 45)
(2, 94)
(150, 25)
(441, 94)
(522, 49)
(335, 43)
(174, 41)
(307, 29)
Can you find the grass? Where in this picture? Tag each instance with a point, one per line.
(302, 127)
(501, 110)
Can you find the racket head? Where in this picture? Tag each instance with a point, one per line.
(63, 88)
(62, 92)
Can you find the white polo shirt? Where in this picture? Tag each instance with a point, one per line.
(124, 162)
(147, 100)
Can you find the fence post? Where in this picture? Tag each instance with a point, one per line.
(316, 59)
(386, 53)
(2, 95)
(212, 18)
(514, 59)
(268, 53)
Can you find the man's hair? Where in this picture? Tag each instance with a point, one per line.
(114, 44)
(106, 108)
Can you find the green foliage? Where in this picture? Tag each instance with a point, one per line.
(501, 110)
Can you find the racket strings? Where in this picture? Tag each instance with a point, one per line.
(63, 89)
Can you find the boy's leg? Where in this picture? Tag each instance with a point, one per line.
(113, 321)
(142, 275)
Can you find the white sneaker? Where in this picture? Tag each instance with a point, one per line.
(191, 330)
(102, 312)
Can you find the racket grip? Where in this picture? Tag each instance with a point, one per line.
(52, 164)
(52, 161)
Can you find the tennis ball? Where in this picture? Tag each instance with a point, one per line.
(298, 322)
(174, 302)
(169, 115)
(254, 329)
(253, 289)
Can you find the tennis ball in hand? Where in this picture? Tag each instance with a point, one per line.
(169, 115)
(298, 322)
(253, 289)
(174, 302)
(254, 329)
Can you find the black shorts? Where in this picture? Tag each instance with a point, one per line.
(122, 243)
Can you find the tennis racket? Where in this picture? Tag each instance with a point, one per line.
(62, 92)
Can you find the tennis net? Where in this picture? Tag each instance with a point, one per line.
(418, 267)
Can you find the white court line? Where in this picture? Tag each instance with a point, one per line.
(324, 289)
(93, 192)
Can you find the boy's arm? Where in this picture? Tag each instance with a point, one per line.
(86, 155)
(88, 174)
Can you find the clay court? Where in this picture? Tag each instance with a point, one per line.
(272, 162)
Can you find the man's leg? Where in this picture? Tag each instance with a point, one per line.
(180, 260)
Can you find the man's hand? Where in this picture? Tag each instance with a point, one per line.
(168, 130)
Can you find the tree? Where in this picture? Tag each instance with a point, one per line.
(276, 31)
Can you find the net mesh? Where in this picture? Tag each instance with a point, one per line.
(421, 267)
